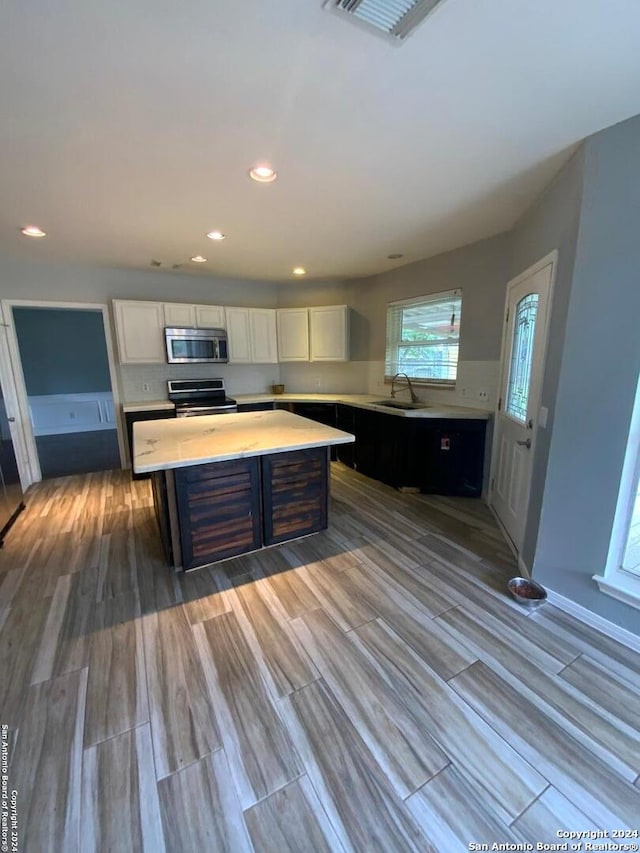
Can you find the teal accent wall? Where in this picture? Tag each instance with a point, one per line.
(63, 351)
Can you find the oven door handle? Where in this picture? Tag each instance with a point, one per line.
(211, 409)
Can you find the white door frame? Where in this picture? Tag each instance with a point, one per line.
(551, 258)
(18, 391)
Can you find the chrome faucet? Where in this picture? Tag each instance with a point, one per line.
(414, 396)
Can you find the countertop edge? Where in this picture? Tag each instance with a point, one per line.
(366, 401)
(148, 406)
(360, 401)
(244, 454)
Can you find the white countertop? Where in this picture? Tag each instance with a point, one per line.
(361, 401)
(178, 443)
(147, 406)
(367, 401)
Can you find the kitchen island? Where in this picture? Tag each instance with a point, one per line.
(225, 485)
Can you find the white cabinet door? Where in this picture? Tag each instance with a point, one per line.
(329, 333)
(239, 335)
(140, 331)
(210, 317)
(293, 334)
(263, 338)
(179, 315)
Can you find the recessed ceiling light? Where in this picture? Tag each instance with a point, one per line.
(216, 235)
(199, 259)
(395, 256)
(33, 231)
(299, 271)
(263, 174)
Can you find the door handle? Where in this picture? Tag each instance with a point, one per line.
(11, 420)
(526, 443)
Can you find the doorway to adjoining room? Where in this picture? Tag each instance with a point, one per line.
(63, 353)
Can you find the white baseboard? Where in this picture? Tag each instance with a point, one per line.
(627, 638)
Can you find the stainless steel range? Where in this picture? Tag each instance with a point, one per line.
(194, 397)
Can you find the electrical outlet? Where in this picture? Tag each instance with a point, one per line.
(483, 394)
(146, 386)
(463, 392)
(318, 382)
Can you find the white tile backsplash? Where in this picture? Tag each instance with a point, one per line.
(474, 377)
(239, 378)
(351, 377)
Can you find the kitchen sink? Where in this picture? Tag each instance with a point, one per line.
(399, 404)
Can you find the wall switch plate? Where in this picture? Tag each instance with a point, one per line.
(543, 417)
(146, 386)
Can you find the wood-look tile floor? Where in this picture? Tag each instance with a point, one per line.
(370, 688)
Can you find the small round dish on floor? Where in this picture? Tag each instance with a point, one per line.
(527, 592)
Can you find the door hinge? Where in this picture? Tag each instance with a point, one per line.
(506, 319)
(493, 483)
(500, 404)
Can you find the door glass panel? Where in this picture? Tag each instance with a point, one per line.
(524, 325)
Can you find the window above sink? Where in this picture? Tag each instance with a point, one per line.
(423, 336)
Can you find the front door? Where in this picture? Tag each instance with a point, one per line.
(518, 408)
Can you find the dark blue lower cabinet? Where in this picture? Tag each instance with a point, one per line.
(452, 457)
(434, 455)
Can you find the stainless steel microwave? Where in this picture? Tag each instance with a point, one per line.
(189, 346)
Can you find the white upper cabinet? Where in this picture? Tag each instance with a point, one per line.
(252, 335)
(238, 335)
(264, 340)
(179, 315)
(139, 329)
(293, 334)
(210, 317)
(329, 333)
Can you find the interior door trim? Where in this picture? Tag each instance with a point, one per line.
(30, 469)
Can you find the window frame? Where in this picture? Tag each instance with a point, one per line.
(393, 337)
(617, 581)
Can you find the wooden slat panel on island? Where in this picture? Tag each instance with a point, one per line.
(219, 510)
(294, 493)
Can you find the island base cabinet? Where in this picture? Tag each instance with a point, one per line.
(295, 493)
(224, 509)
(218, 510)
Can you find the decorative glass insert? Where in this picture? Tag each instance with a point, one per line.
(524, 326)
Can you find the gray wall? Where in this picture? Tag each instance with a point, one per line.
(598, 378)
(67, 282)
(551, 223)
(71, 283)
(480, 269)
(62, 352)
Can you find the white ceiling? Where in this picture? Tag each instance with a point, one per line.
(127, 127)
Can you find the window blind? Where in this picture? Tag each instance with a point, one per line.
(423, 337)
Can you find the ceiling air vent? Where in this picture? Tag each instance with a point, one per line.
(395, 18)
